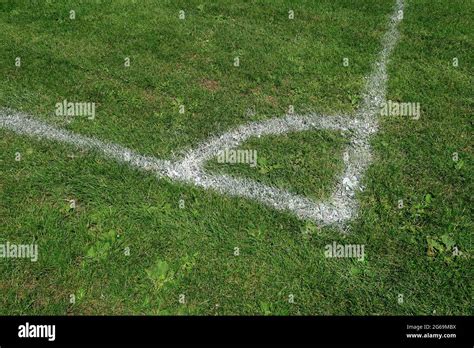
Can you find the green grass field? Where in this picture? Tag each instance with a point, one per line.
(190, 250)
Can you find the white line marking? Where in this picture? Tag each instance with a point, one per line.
(341, 206)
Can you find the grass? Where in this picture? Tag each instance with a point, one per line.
(191, 250)
(305, 163)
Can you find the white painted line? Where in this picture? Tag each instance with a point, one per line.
(342, 204)
(21, 123)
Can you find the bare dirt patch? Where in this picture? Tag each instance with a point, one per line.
(210, 85)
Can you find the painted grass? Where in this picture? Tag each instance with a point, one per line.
(191, 250)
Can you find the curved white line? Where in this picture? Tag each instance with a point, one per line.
(342, 204)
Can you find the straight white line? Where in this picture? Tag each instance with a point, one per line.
(341, 206)
(22, 123)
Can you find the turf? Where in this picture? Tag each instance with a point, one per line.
(305, 163)
(191, 249)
